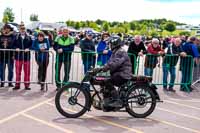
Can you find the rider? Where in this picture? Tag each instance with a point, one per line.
(120, 69)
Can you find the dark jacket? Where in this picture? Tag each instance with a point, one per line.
(6, 42)
(103, 58)
(172, 55)
(135, 49)
(119, 64)
(41, 56)
(166, 43)
(198, 47)
(88, 47)
(22, 44)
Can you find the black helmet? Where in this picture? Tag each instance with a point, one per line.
(115, 42)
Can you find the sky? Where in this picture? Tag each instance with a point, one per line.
(185, 11)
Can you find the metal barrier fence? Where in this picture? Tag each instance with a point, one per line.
(160, 67)
(196, 75)
(71, 66)
(38, 69)
(168, 70)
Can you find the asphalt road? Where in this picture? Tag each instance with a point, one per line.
(34, 112)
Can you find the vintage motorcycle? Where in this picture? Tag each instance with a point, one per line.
(138, 96)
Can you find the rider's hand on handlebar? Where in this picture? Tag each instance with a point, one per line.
(97, 70)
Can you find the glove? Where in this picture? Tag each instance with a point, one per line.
(105, 68)
(97, 70)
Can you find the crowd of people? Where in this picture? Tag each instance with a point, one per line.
(15, 51)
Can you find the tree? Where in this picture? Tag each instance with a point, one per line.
(8, 14)
(117, 30)
(154, 33)
(83, 24)
(5, 19)
(185, 33)
(99, 22)
(87, 23)
(93, 25)
(105, 26)
(126, 27)
(72, 24)
(170, 27)
(153, 27)
(113, 24)
(132, 25)
(34, 17)
(77, 25)
(68, 22)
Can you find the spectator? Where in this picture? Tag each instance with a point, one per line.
(196, 72)
(41, 46)
(6, 57)
(22, 58)
(103, 50)
(35, 33)
(81, 35)
(136, 49)
(166, 42)
(60, 31)
(151, 58)
(198, 44)
(54, 34)
(183, 39)
(64, 45)
(170, 61)
(186, 64)
(88, 48)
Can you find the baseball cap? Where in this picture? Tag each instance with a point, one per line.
(89, 33)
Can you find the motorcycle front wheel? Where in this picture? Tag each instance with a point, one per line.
(72, 101)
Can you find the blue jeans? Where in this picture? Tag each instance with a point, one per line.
(10, 65)
(88, 65)
(148, 71)
(186, 76)
(172, 71)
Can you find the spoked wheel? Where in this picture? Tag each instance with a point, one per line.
(141, 102)
(72, 101)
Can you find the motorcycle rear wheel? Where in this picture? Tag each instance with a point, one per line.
(140, 96)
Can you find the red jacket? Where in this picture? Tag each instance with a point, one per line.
(152, 50)
(151, 59)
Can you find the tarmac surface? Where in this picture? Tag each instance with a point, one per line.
(34, 112)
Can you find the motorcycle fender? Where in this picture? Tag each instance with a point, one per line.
(154, 89)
